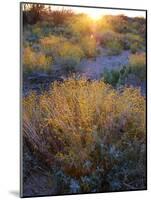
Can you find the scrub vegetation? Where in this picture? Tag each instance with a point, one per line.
(84, 126)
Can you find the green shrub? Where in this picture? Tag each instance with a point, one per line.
(37, 30)
(135, 42)
(134, 47)
(114, 42)
(111, 77)
(136, 67)
(114, 47)
(131, 41)
(116, 77)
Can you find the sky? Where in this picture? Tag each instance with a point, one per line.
(96, 13)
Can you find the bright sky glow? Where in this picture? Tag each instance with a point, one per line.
(96, 13)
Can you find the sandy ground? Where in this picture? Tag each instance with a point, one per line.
(93, 68)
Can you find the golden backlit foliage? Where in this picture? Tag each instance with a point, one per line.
(35, 60)
(67, 123)
(118, 23)
(59, 46)
(80, 25)
(69, 50)
(76, 38)
(51, 42)
(138, 59)
(137, 63)
(89, 46)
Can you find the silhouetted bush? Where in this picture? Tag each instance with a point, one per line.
(32, 13)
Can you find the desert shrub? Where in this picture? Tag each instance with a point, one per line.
(64, 53)
(134, 47)
(118, 23)
(51, 44)
(35, 61)
(112, 77)
(111, 40)
(138, 26)
(122, 24)
(137, 65)
(37, 13)
(61, 30)
(59, 46)
(89, 47)
(89, 130)
(37, 30)
(32, 13)
(114, 47)
(136, 70)
(69, 50)
(68, 64)
(135, 42)
(116, 77)
(105, 36)
(70, 56)
(80, 25)
(50, 41)
(127, 34)
(60, 16)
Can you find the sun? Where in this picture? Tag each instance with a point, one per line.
(94, 14)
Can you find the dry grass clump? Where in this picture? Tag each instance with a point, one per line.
(80, 25)
(51, 43)
(69, 50)
(60, 47)
(77, 122)
(64, 53)
(137, 64)
(138, 59)
(89, 46)
(35, 61)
